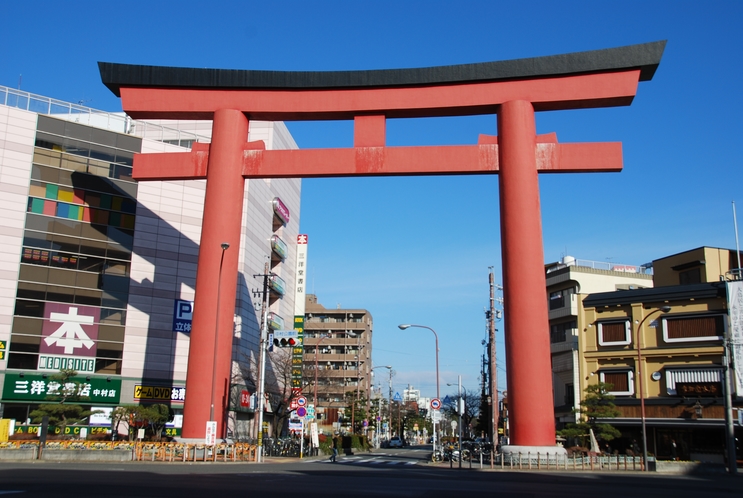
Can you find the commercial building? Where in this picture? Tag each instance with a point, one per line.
(98, 271)
(662, 349)
(337, 359)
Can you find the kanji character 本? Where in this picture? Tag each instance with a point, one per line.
(70, 334)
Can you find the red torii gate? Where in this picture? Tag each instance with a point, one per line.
(513, 90)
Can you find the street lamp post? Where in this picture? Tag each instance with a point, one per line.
(379, 416)
(406, 326)
(460, 411)
(662, 309)
(224, 246)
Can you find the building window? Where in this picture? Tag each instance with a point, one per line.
(557, 300)
(560, 331)
(694, 328)
(693, 276)
(622, 382)
(569, 395)
(614, 333)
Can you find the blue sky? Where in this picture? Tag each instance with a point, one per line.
(417, 249)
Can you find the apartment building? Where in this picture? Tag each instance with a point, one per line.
(337, 358)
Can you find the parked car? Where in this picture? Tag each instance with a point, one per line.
(395, 442)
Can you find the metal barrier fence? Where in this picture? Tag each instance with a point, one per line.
(551, 461)
(149, 452)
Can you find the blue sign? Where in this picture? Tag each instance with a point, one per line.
(182, 316)
(397, 397)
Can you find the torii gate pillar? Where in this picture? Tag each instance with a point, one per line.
(527, 352)
(513, 90)
(209, 364)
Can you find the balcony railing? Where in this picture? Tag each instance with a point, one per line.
(78, 113)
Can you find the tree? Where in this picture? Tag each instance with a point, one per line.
(280, 386)
(152, 418)
(411, 416)
(597, 404)
(63, 395)
(471, 409)
(122, 415)
(355, 410)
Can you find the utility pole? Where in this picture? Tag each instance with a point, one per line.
(492, 315)
(262, 352)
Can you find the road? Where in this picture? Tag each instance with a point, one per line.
(391, 472)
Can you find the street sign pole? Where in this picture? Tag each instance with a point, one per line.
(435, 406)
(301, 440)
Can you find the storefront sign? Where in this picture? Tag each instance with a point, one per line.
(735, 331)
(275, 322)
(299, 304)
(37, 388)
(281, 210)
(57, 363)
(69, 329)
(279, 247)
(160, 393)
(699, 389)
(70, 430)
(277, 284)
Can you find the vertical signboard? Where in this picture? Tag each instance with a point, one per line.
(182, 316)
(211, 433)
(299, 297)
(735, 331)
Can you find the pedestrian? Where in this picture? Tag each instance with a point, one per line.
(635, 447)
(335, 451)
(674, 455)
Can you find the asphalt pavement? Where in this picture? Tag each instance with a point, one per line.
(389, 472)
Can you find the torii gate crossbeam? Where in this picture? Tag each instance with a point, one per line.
(514, 90)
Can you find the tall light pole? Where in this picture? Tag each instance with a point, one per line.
(438, 396)
(224, 246)
(662, 309)
(379, 416)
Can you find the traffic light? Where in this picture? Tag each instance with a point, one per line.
(285, 338)
(284, 342)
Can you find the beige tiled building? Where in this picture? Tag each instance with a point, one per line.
(116, 259)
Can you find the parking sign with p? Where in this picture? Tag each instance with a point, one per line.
(182, 316)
